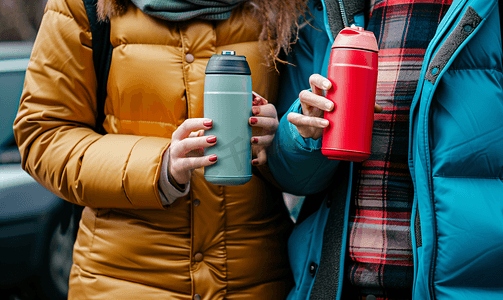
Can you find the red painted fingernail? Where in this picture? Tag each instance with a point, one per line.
(254, 162)
(213, 158)
(253, 120)
(255, 110)
(254, 140)
(208, 123)
(211, 139)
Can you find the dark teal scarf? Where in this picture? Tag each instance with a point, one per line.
(181, 10)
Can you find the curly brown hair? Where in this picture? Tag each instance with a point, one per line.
(280, 19)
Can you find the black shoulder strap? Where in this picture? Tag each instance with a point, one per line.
(102, 56)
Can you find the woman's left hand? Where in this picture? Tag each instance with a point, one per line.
(264, 125)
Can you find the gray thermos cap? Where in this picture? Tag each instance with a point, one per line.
(228, 63)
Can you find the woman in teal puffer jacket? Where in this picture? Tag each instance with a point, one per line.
(443, 227)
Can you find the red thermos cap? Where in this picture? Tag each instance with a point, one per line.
(355, 37)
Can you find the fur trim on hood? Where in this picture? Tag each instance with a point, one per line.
(110, 8)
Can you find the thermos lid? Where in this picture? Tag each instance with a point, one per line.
(228, 63)
(356, 37)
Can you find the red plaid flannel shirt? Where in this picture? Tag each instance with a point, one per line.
(380, 249)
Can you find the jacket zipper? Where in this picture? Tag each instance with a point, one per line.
(343, 13)
(426, 121)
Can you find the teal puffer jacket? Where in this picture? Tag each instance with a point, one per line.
(455, 159)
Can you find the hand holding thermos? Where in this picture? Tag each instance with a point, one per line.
(187, 149)
(345, 117)
(264, 125)
(237, 124)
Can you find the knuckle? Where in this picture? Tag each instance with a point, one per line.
(191, 163)
(291, 117)
(174, 149)
(313, 122)
(304, 120)
(263, 157)
(182, 126)
(271, 109)
(181, 147)
(175, 167)
(314, 78)
(298, 122)
(268, 123)
(303, 94)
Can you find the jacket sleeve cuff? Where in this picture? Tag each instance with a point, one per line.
(121, 171)
(307, 144)
(168, 192)
(296, 163)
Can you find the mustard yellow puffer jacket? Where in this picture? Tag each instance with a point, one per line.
(219, 242)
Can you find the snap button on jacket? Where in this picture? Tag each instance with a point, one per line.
(219, 242)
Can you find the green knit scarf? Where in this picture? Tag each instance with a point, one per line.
(181, 10)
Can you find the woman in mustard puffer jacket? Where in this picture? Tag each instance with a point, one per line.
(152, 227)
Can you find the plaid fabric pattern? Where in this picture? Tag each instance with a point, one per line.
(380, 249)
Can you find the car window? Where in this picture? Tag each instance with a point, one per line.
(20, 19)
(19, 22)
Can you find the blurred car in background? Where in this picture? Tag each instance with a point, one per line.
(37, 229)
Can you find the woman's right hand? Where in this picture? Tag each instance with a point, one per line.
(311, 123)
(187, 149)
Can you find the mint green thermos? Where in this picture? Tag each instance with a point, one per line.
(228, 102)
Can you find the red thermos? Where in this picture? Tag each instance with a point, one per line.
(353, 72)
